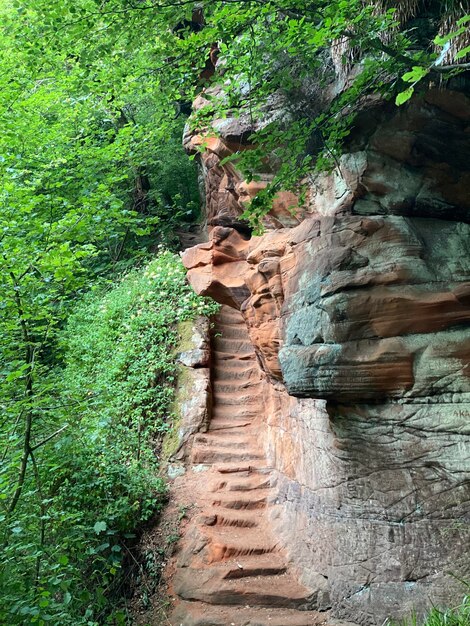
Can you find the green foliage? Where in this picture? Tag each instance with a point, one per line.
(121, 72)
(456, 616)
(277, 71)
(87, 164)
(94, 177)
(404, 96)
(120, 354)
(93, 484)
(419, 72)
(292, 54)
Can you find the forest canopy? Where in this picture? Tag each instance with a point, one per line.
(94, 97)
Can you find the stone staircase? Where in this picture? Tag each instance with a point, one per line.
(231, 570)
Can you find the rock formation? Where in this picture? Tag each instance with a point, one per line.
(357, 306)
(231, 566)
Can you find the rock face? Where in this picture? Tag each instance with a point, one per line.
(192, 405)
(230, 565)
(358, 308)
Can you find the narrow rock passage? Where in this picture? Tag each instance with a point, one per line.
(230, 568)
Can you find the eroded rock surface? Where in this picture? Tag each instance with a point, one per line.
(230, 567)
(358, 307)
(193, 401)
(365, 307)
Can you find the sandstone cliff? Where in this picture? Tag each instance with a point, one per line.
(357, 305)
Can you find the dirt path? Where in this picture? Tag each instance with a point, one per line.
(229, 568)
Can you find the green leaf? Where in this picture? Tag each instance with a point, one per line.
(404, 96)
(100, 527)
(462, 53)
(463, 20)
(441, 40)
(416, 74)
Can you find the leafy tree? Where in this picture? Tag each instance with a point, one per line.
(85, 160)
(96, 430)
(281, 49)
(81, 188)
(93, 97)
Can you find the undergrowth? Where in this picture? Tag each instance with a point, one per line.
(455, 616)
(97, 481)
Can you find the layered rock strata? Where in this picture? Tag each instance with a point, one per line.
(357, 306)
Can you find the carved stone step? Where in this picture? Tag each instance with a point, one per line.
(231, 359)
(227, 313)
(243, 468)
(232, 410)
(243, 500)
(238, 438)
(231, 331)
(246, 566)
(250, 484)
(236, 386)
(260, 566)
(240, 371)
(266, 591)
(209, 454)
(231, 423)
(232, 351)
(200, 614)
(236, 543)
(240, 398)
(234, 484)
(245, 432)
(235, 519)
(233, 343)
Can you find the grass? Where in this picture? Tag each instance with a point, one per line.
(455, 616)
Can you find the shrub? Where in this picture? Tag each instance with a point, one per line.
(97, 483)
(455, 616)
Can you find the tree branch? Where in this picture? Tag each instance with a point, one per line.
(41, 443)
